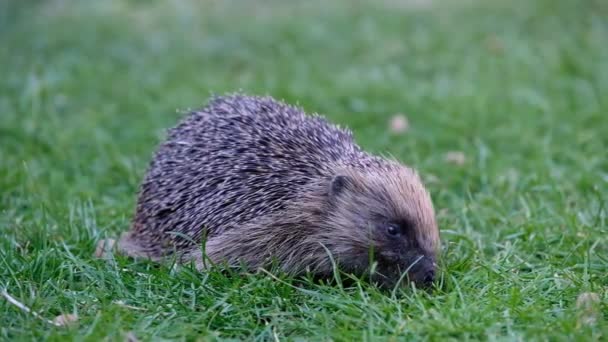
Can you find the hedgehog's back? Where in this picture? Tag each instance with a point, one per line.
(238, 159)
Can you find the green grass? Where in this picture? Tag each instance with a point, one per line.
(520, 87)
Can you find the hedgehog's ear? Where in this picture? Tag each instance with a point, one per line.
(338, 184)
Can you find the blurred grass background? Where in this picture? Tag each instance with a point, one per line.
(87, 89)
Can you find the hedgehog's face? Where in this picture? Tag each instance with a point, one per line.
(386, 218)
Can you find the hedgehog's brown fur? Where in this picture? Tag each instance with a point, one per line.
(260, 181)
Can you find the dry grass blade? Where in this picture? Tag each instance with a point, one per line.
(24, 308)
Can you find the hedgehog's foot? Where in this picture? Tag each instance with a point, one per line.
(131, 246)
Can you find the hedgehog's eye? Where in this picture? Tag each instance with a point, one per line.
(393, 229)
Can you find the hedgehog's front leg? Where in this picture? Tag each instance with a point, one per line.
(269, 242)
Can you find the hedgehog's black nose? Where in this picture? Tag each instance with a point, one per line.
(429, 277)
(423, 273)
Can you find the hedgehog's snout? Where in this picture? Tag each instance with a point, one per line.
(422, 273)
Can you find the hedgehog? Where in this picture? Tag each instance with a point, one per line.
(251, 181)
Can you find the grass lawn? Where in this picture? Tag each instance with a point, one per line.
(520, 88)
